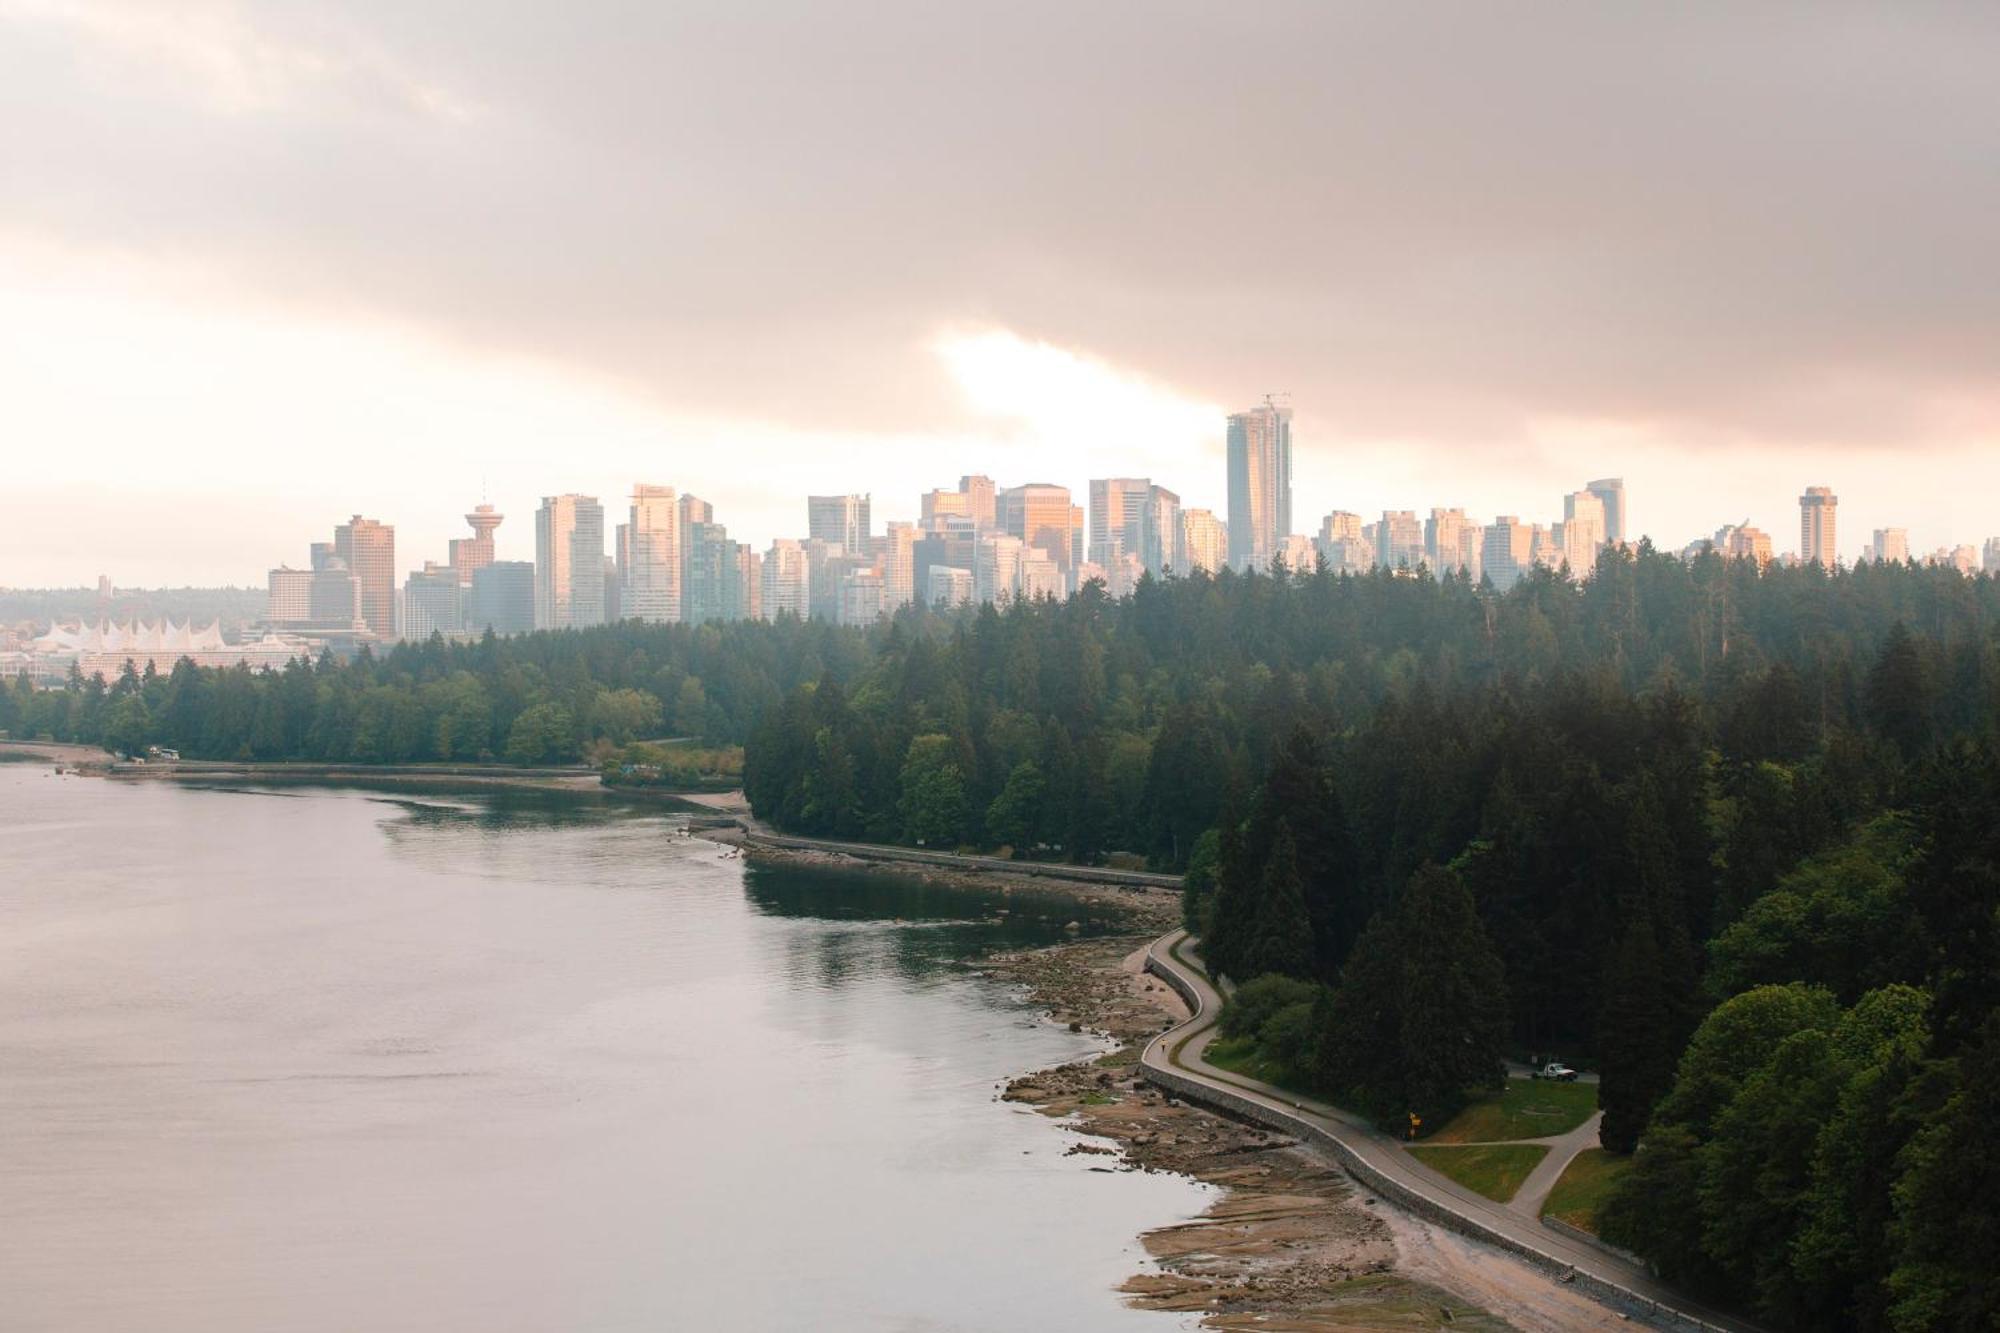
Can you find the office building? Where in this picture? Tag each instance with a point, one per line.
(1117, 518)
(982, 501)
(502, 598)
(369, 550)
(433, 602)
(1818, 537)
(1042, 517)
(476, 551)
(996, 567)
(1506, 551)
(1204, 542)
(1610, 492)
(1583, 530)
(1260, 484)
(1991, 556)
(895, 556)
(860, 596)
(949, 544)
(839, 520)
(785, 580)
(1038, 576)
(945, 586)
(569, 562)
(934, 507)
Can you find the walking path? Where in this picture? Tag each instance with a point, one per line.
(1562, 1150)
(1174, 1061)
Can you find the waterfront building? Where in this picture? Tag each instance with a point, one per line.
(107, 647)
(839, 520)
(1817, 531)
(502, 598)
(476, 551)
(1610, 492)
(1204, 542)
(1260, 484)
(785, 580)
(369, 550)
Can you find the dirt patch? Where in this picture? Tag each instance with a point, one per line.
(1289, 1243)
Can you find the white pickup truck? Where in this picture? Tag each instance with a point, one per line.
(1556, 1072)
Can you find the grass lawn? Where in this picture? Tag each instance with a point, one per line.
(1495, 1170)
(1240, 1055)
(1527, 1109)
(1585, 1183)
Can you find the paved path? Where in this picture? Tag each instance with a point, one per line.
(1379, 1162)
(1562, 1150)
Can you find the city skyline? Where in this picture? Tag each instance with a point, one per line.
(480, 282)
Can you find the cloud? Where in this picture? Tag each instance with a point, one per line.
(1441, 229)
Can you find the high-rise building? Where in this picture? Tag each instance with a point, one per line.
(895, 556)
(1042, 516)
(1163, 529)
(1038, 576)
(1890, 546)
(653, 549)
(860, 596)
(476, 551)
(785, 580)
(1260, 484)
(1740, 541)
(1204, 542)
(996, 567)
(982, 501)
(1117, 518)
(569, 562)
(1817, 535)
(288, 595)
(1611, 492)
(1298, 554)
(1583, 528)
(1399, 540)
(949, 544)
(503, 598)
(1445, 540)
(433, 602)
(1991, 555)
(1507, 551)
(935, 507)
(946, 586)
(839, 520)
(369, 549)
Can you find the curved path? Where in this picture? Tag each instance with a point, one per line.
(1174, 1061)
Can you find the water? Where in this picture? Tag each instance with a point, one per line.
(313, 1060)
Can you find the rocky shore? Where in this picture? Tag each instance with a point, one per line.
(1289, 1243)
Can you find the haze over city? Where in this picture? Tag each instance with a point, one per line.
(263, 268)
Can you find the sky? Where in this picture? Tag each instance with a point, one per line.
(263, 266)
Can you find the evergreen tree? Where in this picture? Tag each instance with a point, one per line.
(1280, 938)
(1635, 1046)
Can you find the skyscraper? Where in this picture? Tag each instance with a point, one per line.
(1611, 491)
(653, 556)
(1583, 529)
(503, 598)
(1891, 545)
(569, 562)
(785, 580)
(839, 520)
(369, 548)
(1990, 555)
(1399, 540)
(433, 602)
(1445, 540)
(1042, 517)
(982, 500)
(1817, 536)
(470, 553)
(1117, 518)
(1204, 542)
(1260, 484)
(1507, 551)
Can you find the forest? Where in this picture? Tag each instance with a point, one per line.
(1728, 837)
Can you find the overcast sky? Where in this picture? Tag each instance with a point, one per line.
(266, 265)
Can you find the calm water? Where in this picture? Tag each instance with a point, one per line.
(327, 1060)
